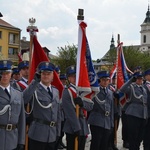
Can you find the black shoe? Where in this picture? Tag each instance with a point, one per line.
(60, 147)
(125, 144)
(63, 145)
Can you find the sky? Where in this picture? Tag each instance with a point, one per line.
(58, 26)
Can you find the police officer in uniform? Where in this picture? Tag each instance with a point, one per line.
(15, 77)
(101, 118)
(73, 126)
(60, 144)
(12, 116)
(24, 72)
(45, 127)
(146, 141)
(137, 109)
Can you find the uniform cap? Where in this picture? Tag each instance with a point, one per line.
(103, 74)
(57, 69)
(23, 64)
(138, 74)
(46, 66)
(71, 70)
(147, 72)
(5, 65)
(15, 71)
(63, 77)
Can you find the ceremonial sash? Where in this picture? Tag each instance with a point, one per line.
(74, 95)
(22, 84)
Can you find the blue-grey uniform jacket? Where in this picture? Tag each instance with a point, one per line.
(102, 114)
(11, 113)
(72, 123)
(147, 87)
(137, 99)
(46, 124)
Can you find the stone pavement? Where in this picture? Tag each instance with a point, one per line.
(119, 140)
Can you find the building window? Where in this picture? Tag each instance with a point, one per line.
(0, 49)
(0, 34)
(12, 51)
(144, 39)
(13, 38)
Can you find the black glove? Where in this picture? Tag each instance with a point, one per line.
(116, 95)
(134, 78)
(37, 77)
(78, 101)
(20, 147)
(77, 133)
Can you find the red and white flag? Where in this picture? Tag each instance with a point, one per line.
(38, 55)
(86, 80)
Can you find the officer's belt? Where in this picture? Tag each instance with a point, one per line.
(49, 123)
(8, 127)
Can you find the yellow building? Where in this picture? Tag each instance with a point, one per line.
(9, 41)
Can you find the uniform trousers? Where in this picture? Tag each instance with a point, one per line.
(70, 138)
(146, 141)
(100, 138)
(124, 127)
(37, 145)
(135, 131)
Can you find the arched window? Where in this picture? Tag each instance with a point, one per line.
(144, 39)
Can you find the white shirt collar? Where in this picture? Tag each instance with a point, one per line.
(45, 87)
(8, 88)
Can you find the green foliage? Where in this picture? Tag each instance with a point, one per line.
(133, 57)
(66, 57)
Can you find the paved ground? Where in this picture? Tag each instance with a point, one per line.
(119, 140)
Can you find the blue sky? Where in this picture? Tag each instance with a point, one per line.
(58, 26)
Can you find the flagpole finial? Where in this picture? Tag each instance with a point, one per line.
(32, 29)
(118, 40)
(80, 14)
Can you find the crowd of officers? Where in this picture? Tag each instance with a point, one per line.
(48, 117)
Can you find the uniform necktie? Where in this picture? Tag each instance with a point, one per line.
(49, 91)
(104, 90)
(6, 91)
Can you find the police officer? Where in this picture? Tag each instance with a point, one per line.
(74, 126)
(15, 74)
(113, 140)
(60, 144)
(137, 109)
(15, 77)
(101, 118)
(146, 141)
(12, 117)
(24, 72)
(45, 127)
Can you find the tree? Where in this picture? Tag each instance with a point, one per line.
(133, 57)
(66, 57)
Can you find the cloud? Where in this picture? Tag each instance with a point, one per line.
(57, 21)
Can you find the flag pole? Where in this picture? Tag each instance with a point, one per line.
(116, 121)
(32, 31)
(80, 17)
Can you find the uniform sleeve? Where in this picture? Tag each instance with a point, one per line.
(69, 111)
(88, 105)
(29, 91)
(126, 87)
(21, 123)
